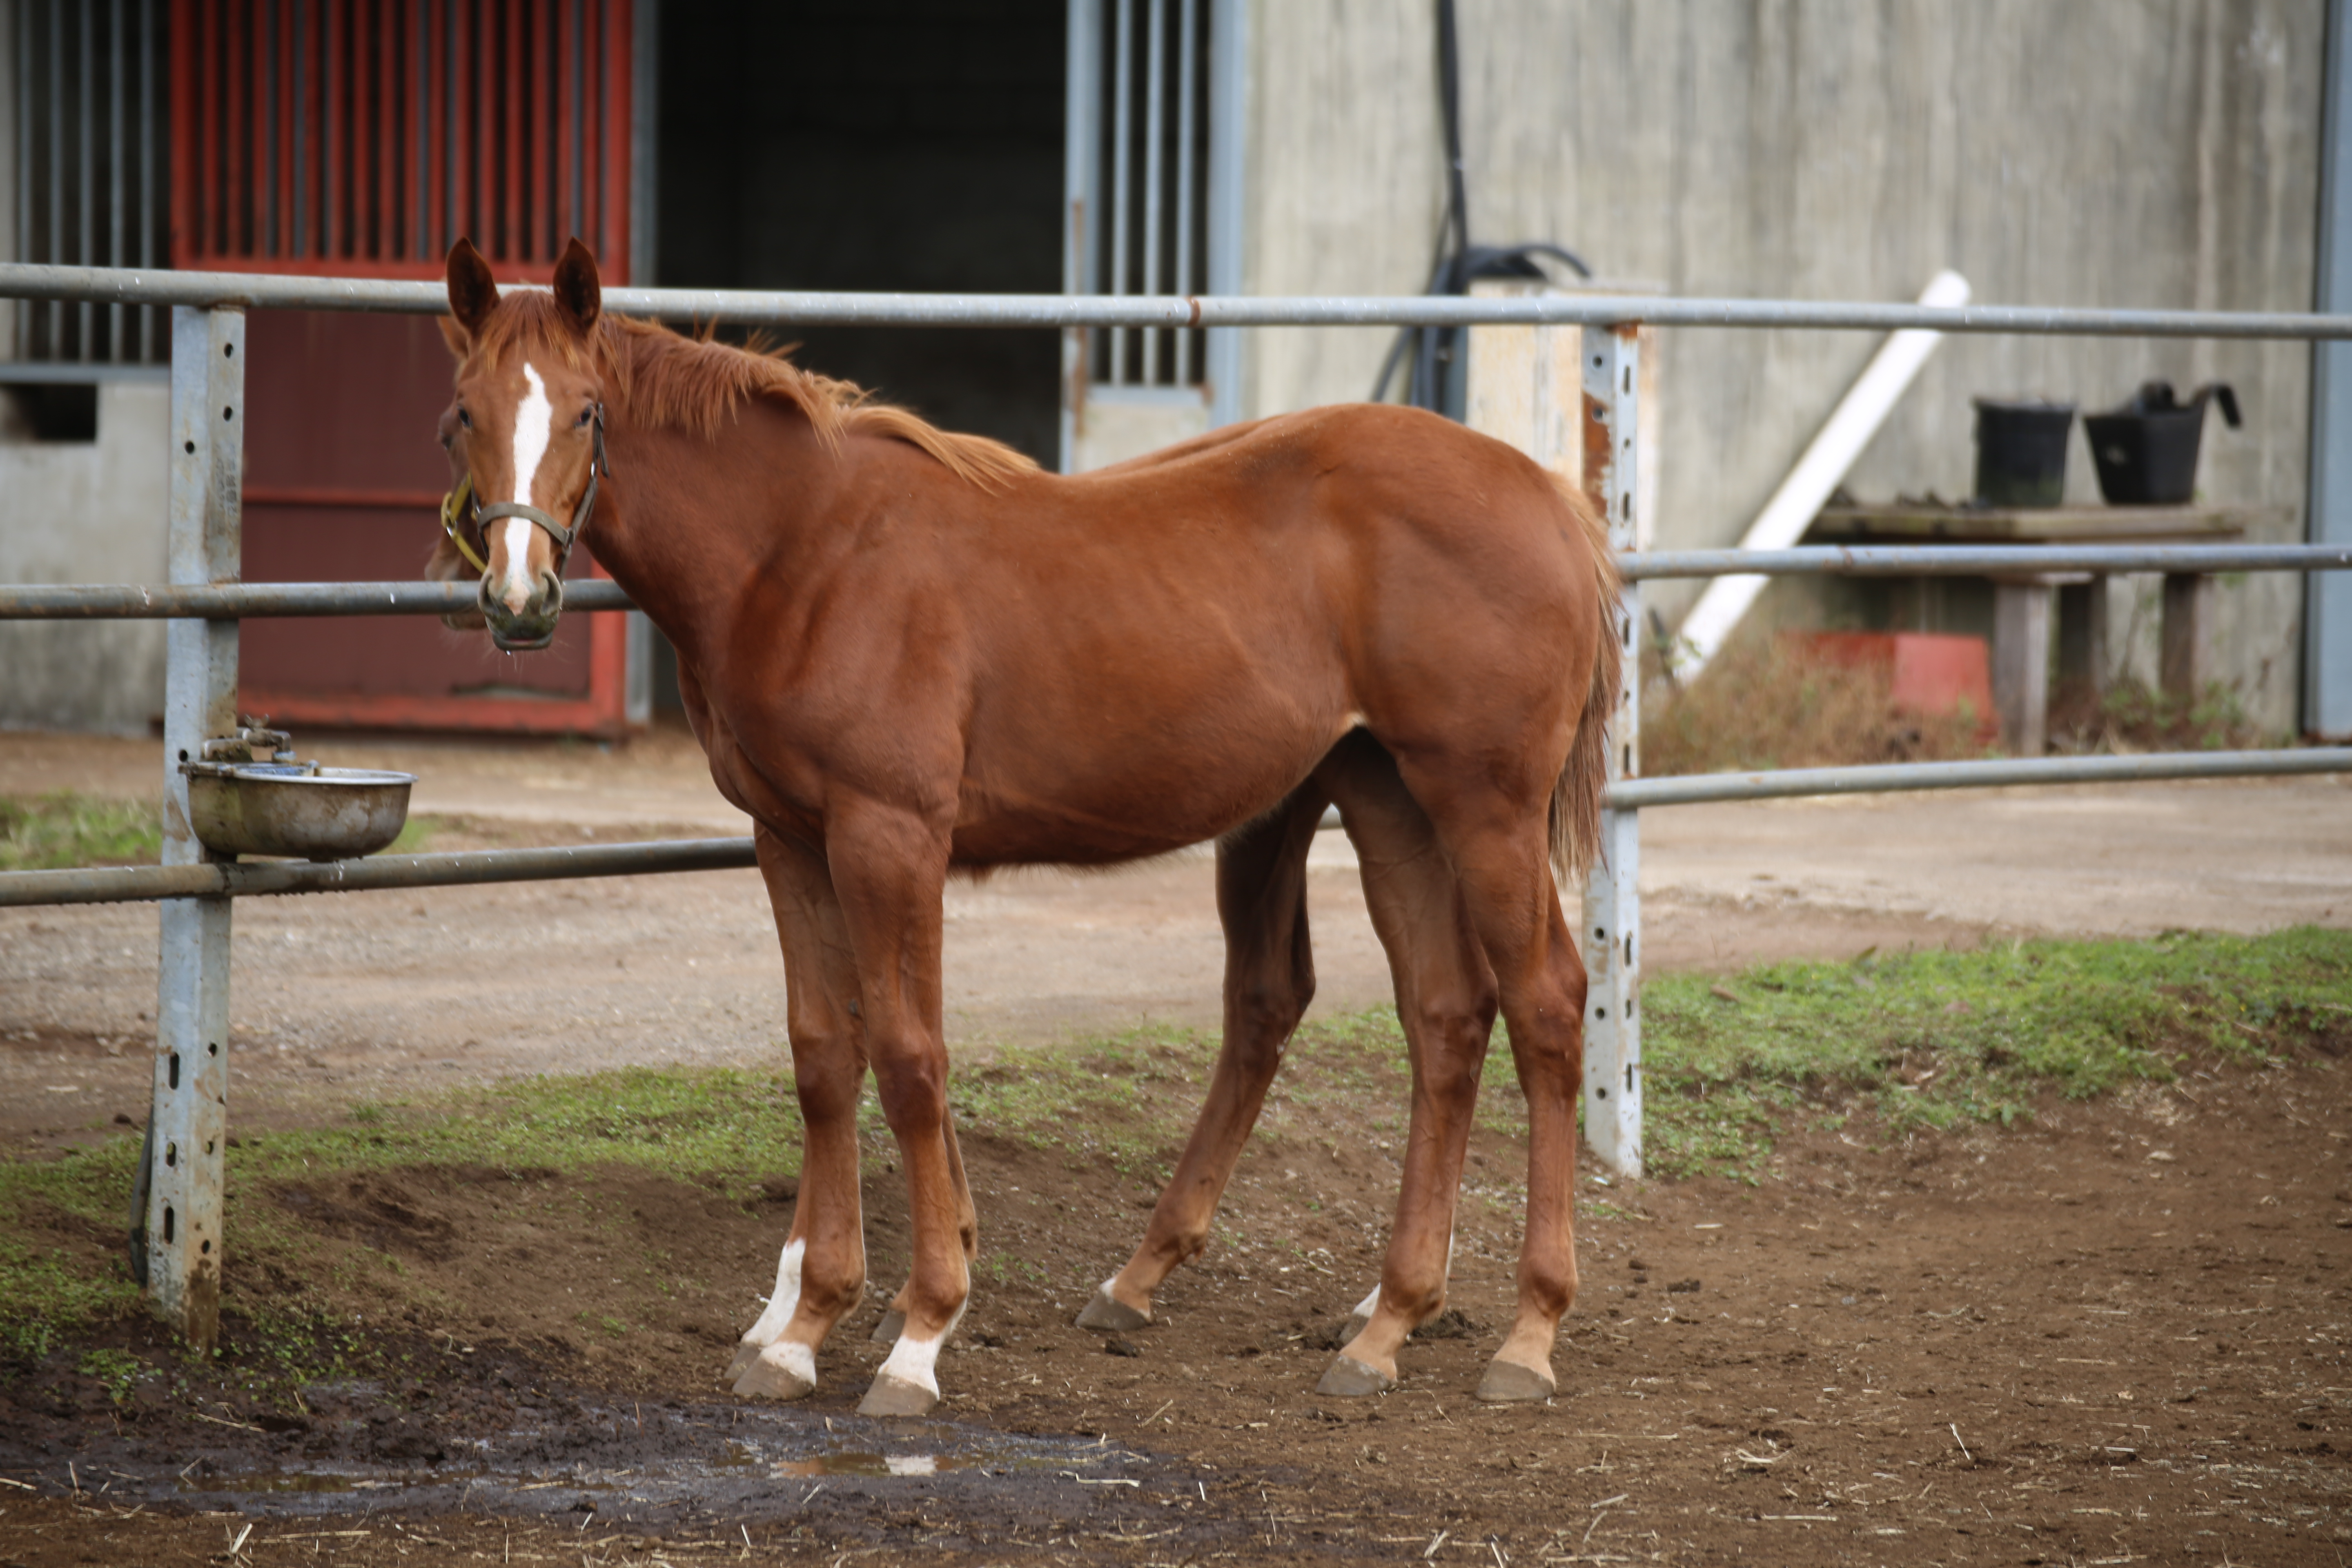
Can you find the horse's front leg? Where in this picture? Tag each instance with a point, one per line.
(892, 1323)
(823, 1269)
(890, 867)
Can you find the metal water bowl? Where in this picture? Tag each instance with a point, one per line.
(300, 810)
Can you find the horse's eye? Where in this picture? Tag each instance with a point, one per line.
(464, 419)
(585, 415)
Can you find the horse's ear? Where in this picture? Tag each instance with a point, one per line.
(473, 292)
(578, 293)
(460, 345)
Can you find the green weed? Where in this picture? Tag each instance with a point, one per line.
(1939, 1038)
(117, 1370)
(54, 831)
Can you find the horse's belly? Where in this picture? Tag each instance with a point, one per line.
(1137, 796)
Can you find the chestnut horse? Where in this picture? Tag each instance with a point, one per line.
(910, 654)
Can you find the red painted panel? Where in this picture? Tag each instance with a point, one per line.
(613, 261)
(512, 242)
(1929, 672)
(341, 469)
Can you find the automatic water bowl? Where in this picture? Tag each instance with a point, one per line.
(240, 805)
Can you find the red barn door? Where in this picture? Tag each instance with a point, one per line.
(361, 137)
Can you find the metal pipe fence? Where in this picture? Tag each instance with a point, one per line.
(203, 604)
(255, 601)
(249, 291)
(250, 879)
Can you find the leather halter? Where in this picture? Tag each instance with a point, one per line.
(462, 501)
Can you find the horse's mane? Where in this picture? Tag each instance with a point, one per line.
(666, 379)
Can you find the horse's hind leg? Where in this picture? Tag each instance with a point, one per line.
(1446, 1001)
(822, 1268)
(1269, 980)
(1501, 853)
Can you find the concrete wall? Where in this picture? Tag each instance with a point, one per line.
(87, 512)
(2123, 152)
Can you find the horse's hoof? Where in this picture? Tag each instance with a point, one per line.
(1109, 1315)
(892, 1396)
(784, 1370)
(1507, 1382)
(887, 1331)
(745, 1354)
(1348, 1378)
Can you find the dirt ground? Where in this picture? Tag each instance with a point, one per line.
(2113, 1334)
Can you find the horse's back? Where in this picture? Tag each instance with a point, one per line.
(1182, 641)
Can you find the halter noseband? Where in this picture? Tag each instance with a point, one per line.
(462, 501)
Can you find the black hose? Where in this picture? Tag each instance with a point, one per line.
(1431, 382)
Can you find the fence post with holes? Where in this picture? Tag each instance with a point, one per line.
(1613, 906)
(187, 1127)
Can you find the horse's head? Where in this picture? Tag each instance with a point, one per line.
(525, 436)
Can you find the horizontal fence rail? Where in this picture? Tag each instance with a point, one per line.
(246, 879)
(138, 884)
(26, 281)
(1700, 789)
(254, 601)
(1977, 560)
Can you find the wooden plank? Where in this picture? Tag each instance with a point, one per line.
(2047, 525)
(2021, 663)
(2186, 662)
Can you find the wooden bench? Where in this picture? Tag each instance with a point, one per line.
(2023, 603)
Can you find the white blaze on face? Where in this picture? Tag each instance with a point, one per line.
(534, 421)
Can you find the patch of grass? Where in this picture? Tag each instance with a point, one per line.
(51, 832)
(57, 1281)
(1938, 1039)
(726, 1126)
(117, 1370)
(415, 835)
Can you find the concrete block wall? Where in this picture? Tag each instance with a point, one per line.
(2118, 153)
(86, 511)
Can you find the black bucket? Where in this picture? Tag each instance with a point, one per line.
(2146, 451)
(2021, 452)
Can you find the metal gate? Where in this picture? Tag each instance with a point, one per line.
(1152, 192)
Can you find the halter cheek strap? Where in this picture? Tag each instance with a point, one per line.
(462, 501)
(458, 503)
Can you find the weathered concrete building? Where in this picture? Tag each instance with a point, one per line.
(2097, 155)
(2105, 152)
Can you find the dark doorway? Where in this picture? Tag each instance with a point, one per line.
(893, 144)
(910, 145)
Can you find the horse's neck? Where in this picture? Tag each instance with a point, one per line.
(698, 518)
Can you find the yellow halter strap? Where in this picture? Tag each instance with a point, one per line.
(454, 505)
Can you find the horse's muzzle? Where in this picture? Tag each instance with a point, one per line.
(533, 625)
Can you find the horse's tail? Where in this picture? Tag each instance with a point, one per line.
(1584, 778)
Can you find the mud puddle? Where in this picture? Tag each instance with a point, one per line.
(648, 1465)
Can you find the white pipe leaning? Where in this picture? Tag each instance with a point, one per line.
(1831, 454)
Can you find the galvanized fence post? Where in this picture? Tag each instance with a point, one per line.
(1612, 910)
(188, 1125)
